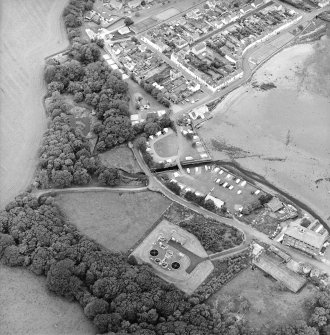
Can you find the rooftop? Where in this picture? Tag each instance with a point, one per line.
(306, 235)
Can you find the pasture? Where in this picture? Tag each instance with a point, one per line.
(115, 220)
(120, 157)
(269, 305)
(28, 308)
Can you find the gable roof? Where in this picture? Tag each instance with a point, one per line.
(306, 235)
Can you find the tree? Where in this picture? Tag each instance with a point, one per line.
(109, 177)
(95, 307)
(174, 187)
(128, 21)
(209, 205)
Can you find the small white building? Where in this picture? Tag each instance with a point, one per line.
(219, 203)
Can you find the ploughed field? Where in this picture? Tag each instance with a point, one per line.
(30, 31)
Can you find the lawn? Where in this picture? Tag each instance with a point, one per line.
(166, 146)
(269, 306)
(113, 219)
(28, 308)
(120, 157)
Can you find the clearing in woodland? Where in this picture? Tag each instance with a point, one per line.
(116, 220)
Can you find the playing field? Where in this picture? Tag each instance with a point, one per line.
(115, 220)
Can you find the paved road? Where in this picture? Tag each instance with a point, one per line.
(249, 232)
(39, 193)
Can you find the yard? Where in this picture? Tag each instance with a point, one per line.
(213, 181)
(166, 146)
(120, 157)
(113, 219)
(269, 306)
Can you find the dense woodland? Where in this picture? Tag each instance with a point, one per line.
(119, 296)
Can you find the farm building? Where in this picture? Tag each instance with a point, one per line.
(304, 239)
(280, 272)
(275, 204)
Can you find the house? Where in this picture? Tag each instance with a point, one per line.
(257, 3)
(198, 112)
(135, 118)
(134, 3)
(245, 9)
(124, 30)
(216, 201)
(199, 48)
(275, 204)
(211, 4)
(323, 3)
(304, 239)
(116, 4)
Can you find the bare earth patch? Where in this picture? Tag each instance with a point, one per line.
(115, 220)
(269, 306)
(28, 308)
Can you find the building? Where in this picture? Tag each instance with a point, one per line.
(219, 203)
(134, 3)
(199, 48)
(199, 112)
(116, 4)
(304, 239)
(245, 9)
(124, 30)
(275, 204)
(257, 3)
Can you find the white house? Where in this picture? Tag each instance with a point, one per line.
(216, 201)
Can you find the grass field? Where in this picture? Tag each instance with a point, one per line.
(115, 220)
(120, 157)
(268, 305)
(30, 31)
(166, 146)
(28, 308)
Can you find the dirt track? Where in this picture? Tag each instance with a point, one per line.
(30, 31)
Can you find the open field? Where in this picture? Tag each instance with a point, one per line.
(120, 157)
(30, 31)
(283, 133)
(269, 306)
(115, 220)
(166, 146)
(166, 14)
(28, 308)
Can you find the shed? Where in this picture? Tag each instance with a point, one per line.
(275, 204)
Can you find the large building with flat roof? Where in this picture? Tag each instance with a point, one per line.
(304, 239)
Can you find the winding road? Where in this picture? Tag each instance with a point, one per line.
(249, 233)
